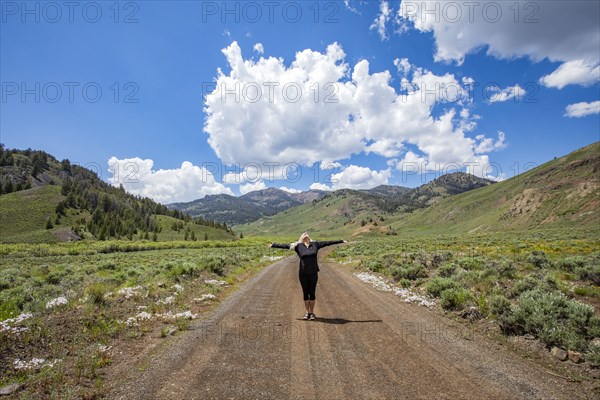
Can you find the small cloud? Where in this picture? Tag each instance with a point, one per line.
(226, 33)
(350, 7)
(290, 190)
(325, 165)
(355, 177)
(487, 145)
(251, 187)
(382, 19)
(403, 65)
(576, 72)
(320, 186)
(583, 109)
(258, 47)
(498, 95)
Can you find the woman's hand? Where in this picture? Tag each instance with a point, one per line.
(270, 244)
(345, 241)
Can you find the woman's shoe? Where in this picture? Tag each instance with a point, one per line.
(306, 316)
(312, 317)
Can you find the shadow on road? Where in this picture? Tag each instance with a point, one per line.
(340, 321)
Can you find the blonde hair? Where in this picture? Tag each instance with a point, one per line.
(302, 237)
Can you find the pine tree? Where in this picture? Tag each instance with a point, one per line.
(9, 188)
(193, 237)
(241, 235)
(49, 223)
(60, 208)
(1, 188)
(154, 237)
(206, 236)
(185, 237)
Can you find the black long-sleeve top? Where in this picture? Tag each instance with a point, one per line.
(308, 255)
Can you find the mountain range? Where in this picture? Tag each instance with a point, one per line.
(267, 202)
(563, 193)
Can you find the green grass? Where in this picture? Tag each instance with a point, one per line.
(336, 215)
(560, 194)
(541, 282)
(23, 217)
(23, 214)
(557, 185)
(90, 275)
(167, 233)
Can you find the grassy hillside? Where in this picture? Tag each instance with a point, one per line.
(167, 231)
(562, 193)
(341, 213)
(23, 214)
(46, 200)
(23, 217)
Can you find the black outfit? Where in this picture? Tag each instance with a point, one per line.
(309, 268)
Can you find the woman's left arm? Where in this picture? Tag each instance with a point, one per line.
(329, 243)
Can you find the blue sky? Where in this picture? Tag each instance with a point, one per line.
(154, 61)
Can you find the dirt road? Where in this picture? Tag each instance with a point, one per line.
(365, 344)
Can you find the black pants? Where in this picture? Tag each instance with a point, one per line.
(309, 285)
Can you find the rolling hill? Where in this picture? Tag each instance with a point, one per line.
(246, 208)
(562, 193)
(46, 200)
(350, 212)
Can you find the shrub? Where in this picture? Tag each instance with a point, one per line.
(593, 329)
(447, 270)
(405, 283)
(409, 271)
(373, 265)
(593, 355)
(530, 282)
(570, 263)
(555, 319)
(454, 299)
(500, 307)
(437, 285)
(538, 258)
(55, 277)
(505, 268)
(589, 273)
(215, 265)
(471, 263)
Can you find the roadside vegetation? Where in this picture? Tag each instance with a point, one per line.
(67, 310)
(541, 283)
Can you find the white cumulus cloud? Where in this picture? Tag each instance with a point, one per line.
(341, 111)
(582, 109)
(561, 31)
(576, 72)
(187, 183)
(251, 187)
(258, 47)
(319, 186)
(290, 190)
(355, 177)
